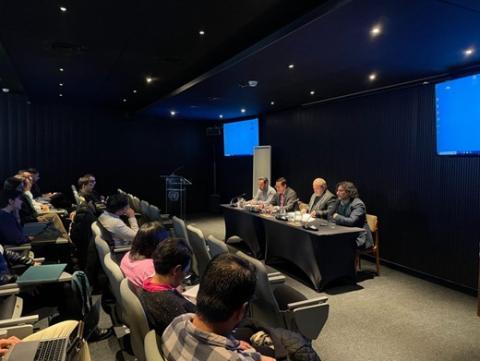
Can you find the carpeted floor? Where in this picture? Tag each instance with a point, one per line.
(394, 317)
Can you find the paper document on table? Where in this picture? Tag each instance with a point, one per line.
(307, 218)
(191, 294)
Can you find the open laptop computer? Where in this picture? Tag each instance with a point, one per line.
(55, 349)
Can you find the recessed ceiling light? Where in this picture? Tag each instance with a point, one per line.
(60, 84)
(221, 116)
(124, 100)
(291, 66)
(148, 79)
(172, 113)
(60, 95)
(426, 82)
(376, 30)
(312, 92)
(201, 32)
(61, 69)
(243, 110)
(272, 103)
(5, 90)
(372, 76)
(469, 51)
(134, 91)
(63, 9)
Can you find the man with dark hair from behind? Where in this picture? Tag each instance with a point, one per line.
(226, 288)
(117, 205)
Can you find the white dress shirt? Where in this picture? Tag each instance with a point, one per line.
(120, 232)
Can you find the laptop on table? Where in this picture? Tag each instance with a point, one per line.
(56, 349)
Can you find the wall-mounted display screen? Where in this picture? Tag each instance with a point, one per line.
(458, 116)
(240, 138)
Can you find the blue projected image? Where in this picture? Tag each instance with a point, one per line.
(458, 116)
(240, 138)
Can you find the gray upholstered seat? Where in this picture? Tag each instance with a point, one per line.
(135, 318)
(279, 305)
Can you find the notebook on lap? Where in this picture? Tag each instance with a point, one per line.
(55, 349)
(41, 274)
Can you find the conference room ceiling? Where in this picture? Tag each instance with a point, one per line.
(108, 49)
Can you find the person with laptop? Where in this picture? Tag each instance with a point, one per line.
(11, 232)
(65, 337)
(265, 192)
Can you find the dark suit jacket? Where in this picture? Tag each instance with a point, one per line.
(356, 216)
(325, 206)
(289, 202)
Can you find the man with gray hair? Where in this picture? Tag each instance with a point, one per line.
(322, 201)
(265, 192)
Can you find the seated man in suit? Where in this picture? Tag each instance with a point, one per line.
(265, 192)
(285, 197)
(226, 287)
(322, 201)
(117, 205)
(350, 211)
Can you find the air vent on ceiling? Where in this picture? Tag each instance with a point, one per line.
(66, 48)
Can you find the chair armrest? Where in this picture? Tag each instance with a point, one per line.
(271, 274)
(152, 349)
(275, 280)
(9, 291)
(23, 247)
(20, 331)
(8, 286)
(19, 321)
(309, 302)
(121, 249)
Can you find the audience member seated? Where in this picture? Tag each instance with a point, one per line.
(137, 264)
(350, 211)
(28, 214)
(86, 185)
(160, 296)
(8, 259)
(285, 197)
(62, 329)
(226, 288)
(11, 232)
(117, 205)
(265, 192)
(81, 234)
(322, 201)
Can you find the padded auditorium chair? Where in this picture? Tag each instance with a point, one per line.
(136, 205)
(101, 243)
(153, 213)
(135, 318)
(215, 246)
(181, 232)
(374, 250)
(279, 305)
(152, 347)
(115, 277)
(144, 205)
(11, 321)
(199, 248)
(76, 196)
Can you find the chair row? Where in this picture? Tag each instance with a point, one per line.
(128, 314)
(142, 207)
